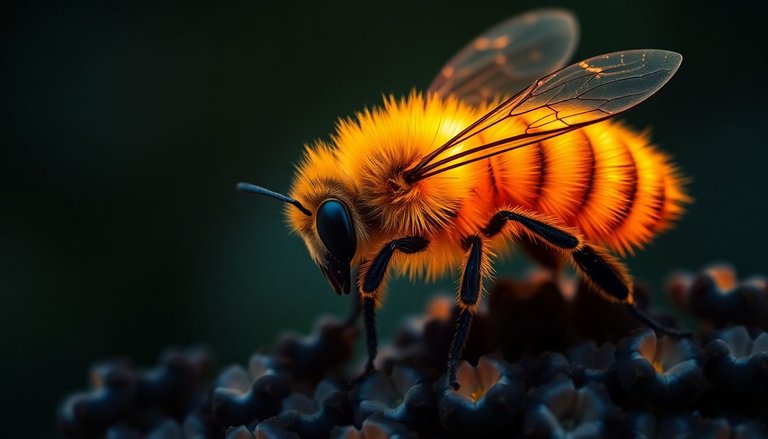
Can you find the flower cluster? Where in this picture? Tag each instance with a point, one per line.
(717, 297)
(546, 358)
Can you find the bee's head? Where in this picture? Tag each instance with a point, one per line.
(329, 233)
(336, 230)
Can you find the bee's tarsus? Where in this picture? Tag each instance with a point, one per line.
(469, 294)
(463, 326)
(656, 326)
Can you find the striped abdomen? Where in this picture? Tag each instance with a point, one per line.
(605, 180)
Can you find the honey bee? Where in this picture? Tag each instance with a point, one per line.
(506, 145)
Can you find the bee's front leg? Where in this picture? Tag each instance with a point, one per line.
(371, 282)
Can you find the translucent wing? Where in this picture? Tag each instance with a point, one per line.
(506, 58)
(578, 95)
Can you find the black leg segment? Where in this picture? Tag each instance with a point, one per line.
(471, 285)
(371, 281)
(378, 267)
(601, 272)
(653, 324)
(471, 281)
(553, 235)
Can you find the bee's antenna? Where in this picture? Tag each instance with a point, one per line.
(252, 188)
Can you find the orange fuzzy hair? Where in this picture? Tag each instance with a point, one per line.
(379, 144)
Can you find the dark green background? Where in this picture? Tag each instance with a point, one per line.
(124, 129)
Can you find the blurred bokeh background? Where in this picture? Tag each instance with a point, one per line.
(124, 129)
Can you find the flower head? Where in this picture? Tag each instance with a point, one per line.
(169, 389)
(321, 353)
(241, 397)
(560, 409)
(489, 397)
(717, 296)
(315, 417)
(738, 362)
(404, 396)
(175, 381)
(590, 363)
(664, 371)
(644, 425)
(112, 397)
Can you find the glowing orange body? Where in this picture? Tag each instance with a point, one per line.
(604, 182)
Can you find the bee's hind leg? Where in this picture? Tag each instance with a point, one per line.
(640, 315)
(607, 275)
(371, 281)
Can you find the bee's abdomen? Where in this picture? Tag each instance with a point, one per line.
(604, 179)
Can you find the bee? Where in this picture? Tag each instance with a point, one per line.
(505, 146)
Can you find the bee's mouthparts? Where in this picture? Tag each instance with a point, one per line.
(338, 274)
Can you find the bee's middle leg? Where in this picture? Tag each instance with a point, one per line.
(371, 281)
(470, 288)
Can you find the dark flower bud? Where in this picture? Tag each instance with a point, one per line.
(240, 398)
(315, 417)
(173, 383)
(717, 296)
(321, 353)
(113, 397)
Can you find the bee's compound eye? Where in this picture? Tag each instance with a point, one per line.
(334, 225)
